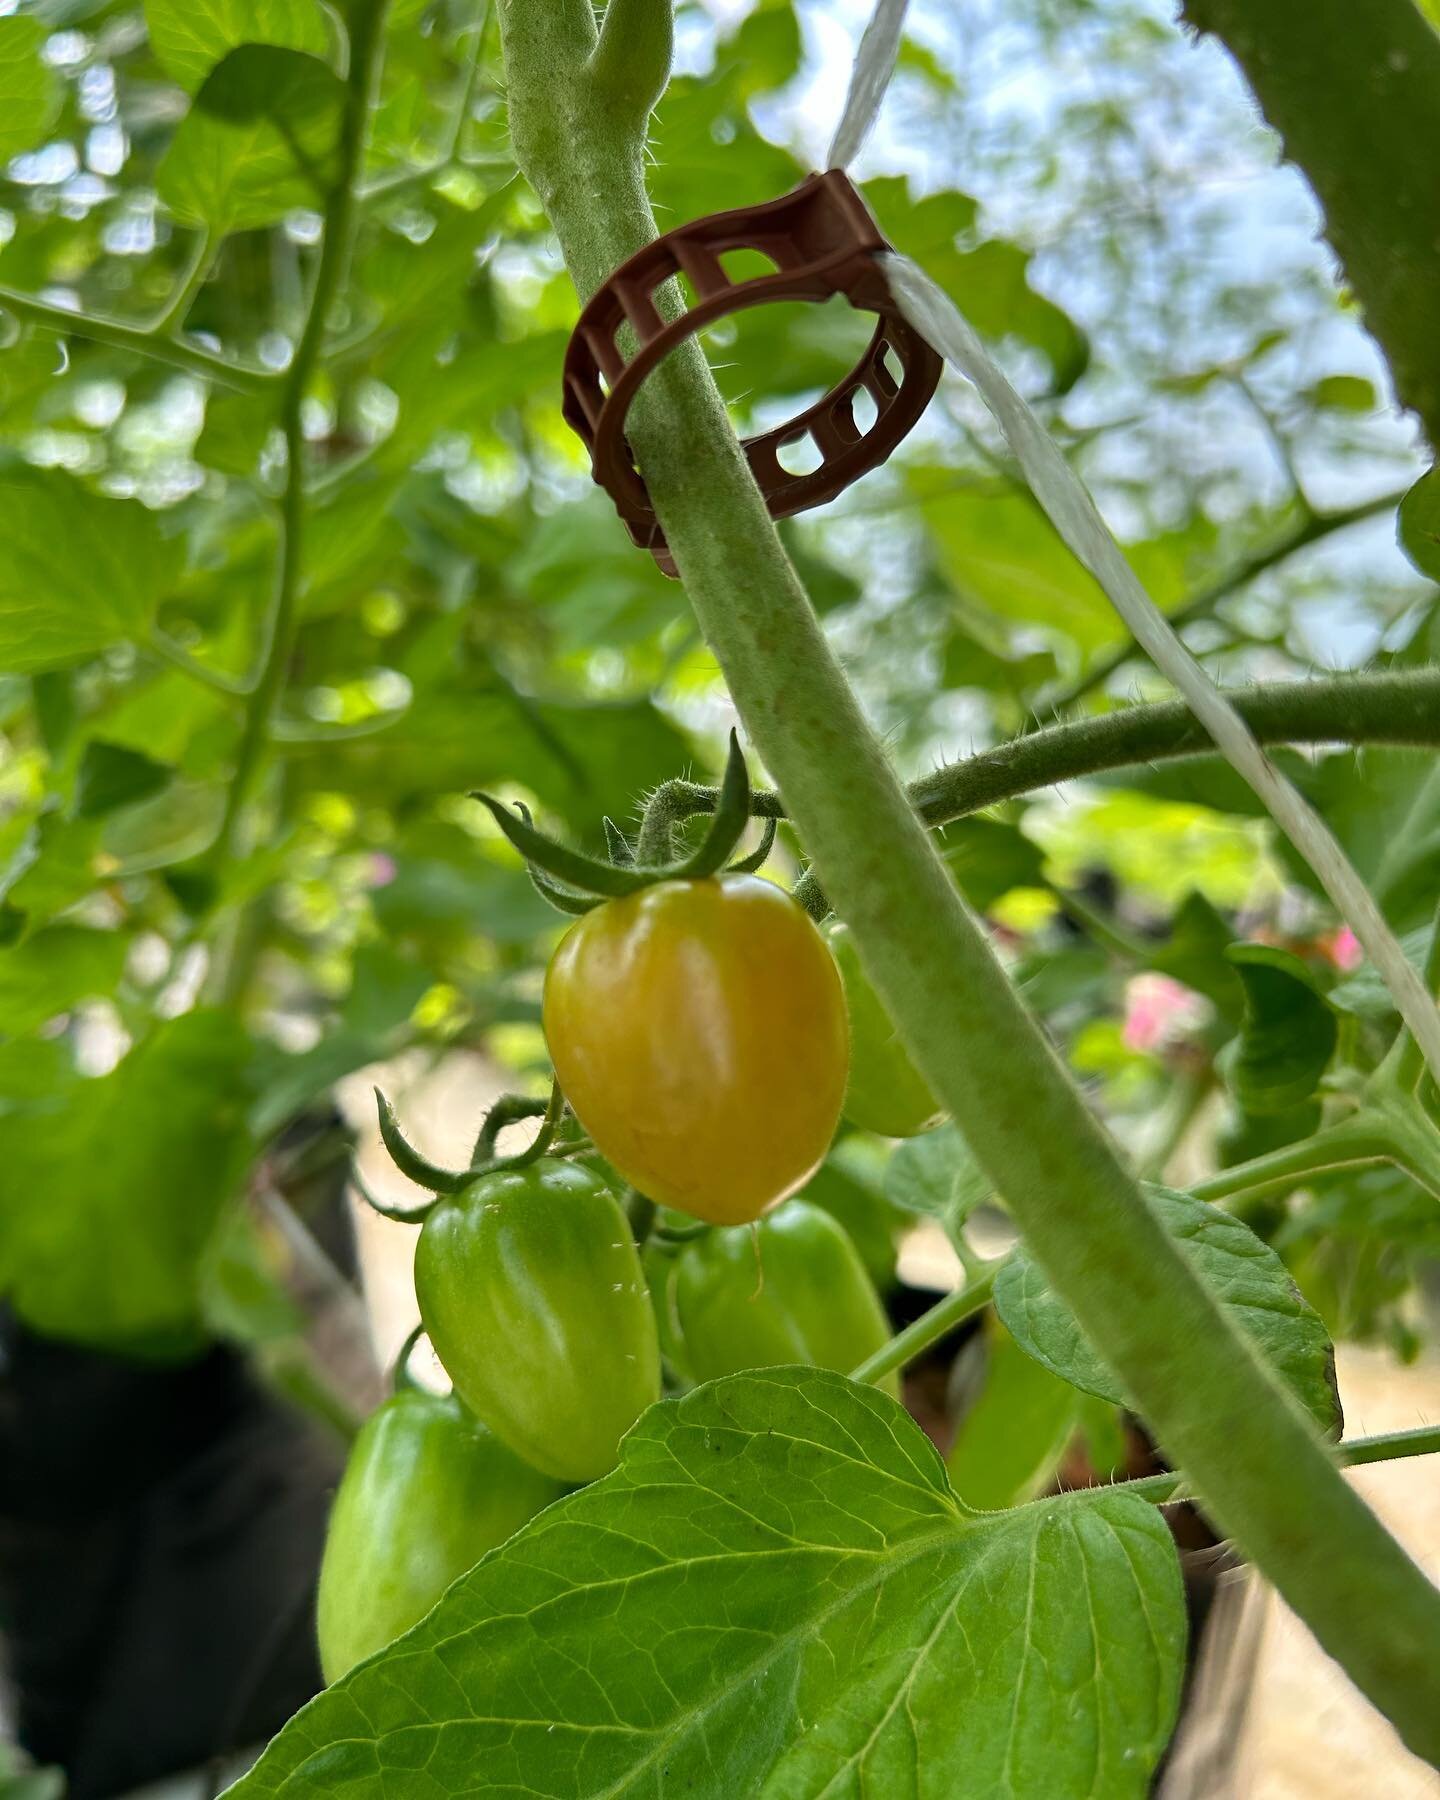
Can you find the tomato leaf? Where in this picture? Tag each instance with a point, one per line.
(30, 93)
(1419, 524)
(140, 1162)
(936, 1175)
(259, 141)
(190, 36)
(989, 857)
(775, 1594)
(1287, 1035)
(1246, 1277)
(111, 776)
(77, 572)
(48, 973)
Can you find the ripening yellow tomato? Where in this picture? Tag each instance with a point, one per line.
(698, 1030)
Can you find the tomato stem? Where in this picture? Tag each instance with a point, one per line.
(1390, 708)
(402, 1215)
(931, 1326)
(1215, 1406)
(400, 1376)
(509, 1109)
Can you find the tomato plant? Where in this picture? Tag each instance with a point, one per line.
(1084, 840)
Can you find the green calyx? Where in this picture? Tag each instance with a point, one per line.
(509, 1109)
(576, 883)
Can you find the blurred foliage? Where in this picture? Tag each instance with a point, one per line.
(1092, 189)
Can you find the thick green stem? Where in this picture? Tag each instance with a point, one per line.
(1342, 709)
(367, 48)
(1260, 1464)
(1401, 708)
(1354, 91)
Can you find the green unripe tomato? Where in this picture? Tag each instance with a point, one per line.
(426, 1492)
(886, 1092)
(534, 1300)
(791, 1289)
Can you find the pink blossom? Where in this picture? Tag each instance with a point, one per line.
(1158, 1011)
(1343, 949)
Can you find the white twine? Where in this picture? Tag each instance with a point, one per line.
(1075, 516)
(874, 65)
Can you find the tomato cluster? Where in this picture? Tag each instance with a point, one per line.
(706, 1037)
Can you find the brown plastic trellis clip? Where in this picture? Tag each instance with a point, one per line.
(822, 241)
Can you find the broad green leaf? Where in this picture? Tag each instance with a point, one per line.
(259, 141)
(1002, 554)
(30, 92)
(579, 760)
(1287, 1034)
(937, 1176)
(777, 1595)
(767, 47)
(1419, 524)
(1244, 1275)
(971, 661)
(1247, 1135)
(112, 775)
(55, 864)
(47, 974)
(443, 889)
(78, 572)
(1011, 1439)
(31, 1069)
(109, 1188)
(190, 36)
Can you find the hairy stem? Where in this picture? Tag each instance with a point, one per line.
(1388, 708)
(1259, 1462)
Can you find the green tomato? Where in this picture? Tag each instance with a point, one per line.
(886, 1092)
(532, 1293)
(426, 1492)
(791, 1289)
